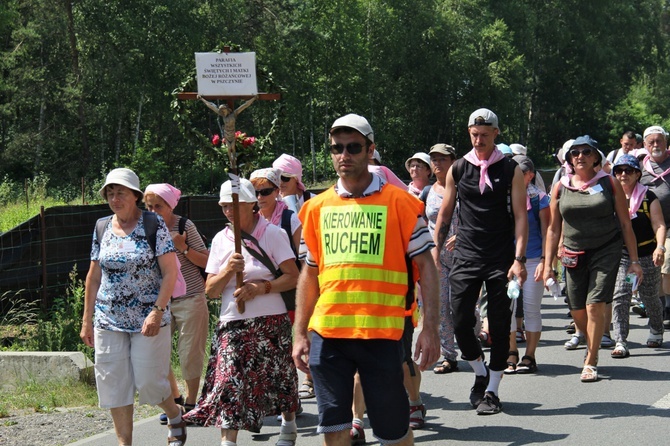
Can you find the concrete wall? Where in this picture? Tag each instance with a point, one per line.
(17, 367)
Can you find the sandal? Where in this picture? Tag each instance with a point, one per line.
(520, 335)
(589, 374)
(620, 351)
(655, 340)
(525, 368)
(178, 440)
(511, 365)
(306, 390)
(287, 439)
(446, 366)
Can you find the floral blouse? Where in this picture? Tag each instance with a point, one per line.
(131, 277)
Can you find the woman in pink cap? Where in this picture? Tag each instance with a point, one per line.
(291, 188)
(190, 316)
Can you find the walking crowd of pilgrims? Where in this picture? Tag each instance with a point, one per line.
(467, 250)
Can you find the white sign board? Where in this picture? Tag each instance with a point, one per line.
(221, 74)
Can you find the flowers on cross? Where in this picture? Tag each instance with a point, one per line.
(240, 139)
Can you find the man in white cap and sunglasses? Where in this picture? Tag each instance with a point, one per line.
(655, 174)
(490, 249)
(355, 289)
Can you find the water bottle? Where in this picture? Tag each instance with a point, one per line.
(513, 289)
(554, 288)
(632, 279)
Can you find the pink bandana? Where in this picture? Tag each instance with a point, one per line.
(483, 165)
(565, 181)
(275, 218)
(647, 166)
(412, 189)
(636, 199)
(167, 192)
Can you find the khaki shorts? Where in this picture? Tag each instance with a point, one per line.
(128, 361)
(190, 319)
(665, 269)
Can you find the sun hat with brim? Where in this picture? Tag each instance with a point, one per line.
(627, 160)
(564, 149)
(123, 177)
(421, 156)
(505, 149)
(585, 140)
(444, 149)
(518, 149)
(247, 193)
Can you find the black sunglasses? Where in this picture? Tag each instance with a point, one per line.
(265, 192)
(576, 152)
(354, 148)
(285, 179)
(620, 170)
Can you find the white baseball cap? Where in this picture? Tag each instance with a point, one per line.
(653, 130)
(356, 122)
(247, 192)
(483, 116)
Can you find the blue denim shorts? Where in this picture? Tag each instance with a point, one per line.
(333, 363)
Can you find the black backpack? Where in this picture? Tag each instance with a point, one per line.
(286, 226)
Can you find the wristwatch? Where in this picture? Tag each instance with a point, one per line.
(161, 309)
(521, 259)
(185, 251)
(662, 248)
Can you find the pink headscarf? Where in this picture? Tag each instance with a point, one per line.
(290, 165)
(167, 192)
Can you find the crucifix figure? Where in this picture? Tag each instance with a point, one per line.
(229, 117)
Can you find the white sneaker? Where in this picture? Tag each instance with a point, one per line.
(576, 340)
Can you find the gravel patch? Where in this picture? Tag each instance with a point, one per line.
(60, 426)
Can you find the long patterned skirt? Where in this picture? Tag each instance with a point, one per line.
(250, 374)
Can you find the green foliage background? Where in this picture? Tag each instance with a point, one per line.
(87, 85)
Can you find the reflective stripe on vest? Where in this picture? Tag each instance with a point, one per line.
(360, 247)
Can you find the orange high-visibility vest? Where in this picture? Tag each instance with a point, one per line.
(360, 247)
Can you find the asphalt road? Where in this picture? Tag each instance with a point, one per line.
(629, 405)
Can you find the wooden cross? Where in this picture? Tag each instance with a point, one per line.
(228, 114)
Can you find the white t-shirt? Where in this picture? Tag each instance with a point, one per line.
(275, 243)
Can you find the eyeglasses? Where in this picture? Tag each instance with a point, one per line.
(418, 166)
(585, 152)
(620, 170)
(265, 192)
(286, 178)
(354, 148)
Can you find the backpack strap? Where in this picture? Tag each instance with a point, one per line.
(423, 196)
(101, 227)
(182, 225)
(150, 228)
(535, 205)
(261, 256)
(286, 226)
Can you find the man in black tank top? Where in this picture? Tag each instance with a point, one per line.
(492, 196)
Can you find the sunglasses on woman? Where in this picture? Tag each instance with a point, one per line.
(620, 170)
(285, 178)
(265, 192)
(576, 152)
(354, 148)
